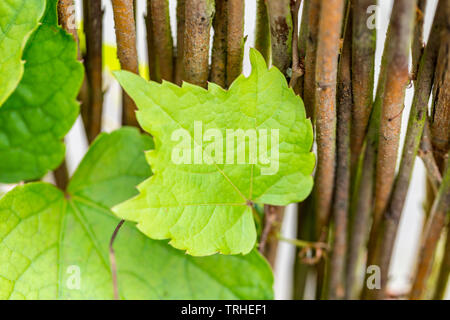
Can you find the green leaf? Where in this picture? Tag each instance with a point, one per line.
(43, 107)
(18, 19)
(205, 208)
(47, 239)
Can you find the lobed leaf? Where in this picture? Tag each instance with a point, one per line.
(18, 19)
(206, 206)
(43, 107)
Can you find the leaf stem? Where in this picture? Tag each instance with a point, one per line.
(112, 259)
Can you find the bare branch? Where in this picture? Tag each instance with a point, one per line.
(179, 65)
(126, 51)
(363, 63)
(280, 21)
(309, 86)
(433, 231)
(235, 39)
(198, 17)
(336, 284)
(163, 36)
(218, 70)
(262, 33)
(94, 67)
(390, 218)
(328, 47)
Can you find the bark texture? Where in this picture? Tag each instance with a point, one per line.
(336, 273)
(198, 20)
(397, 78)
(363, 68)
(309, 85)
(235, 39)
(179, 65)
(331, 16)
(280, 21)
(390, 218)
(218, 71)
(262, 31)
(126, 50)
(94, 67)
(162, 34)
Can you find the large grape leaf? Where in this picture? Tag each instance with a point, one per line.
(205, 208)
(18, 19)
(47, 238)
(43, 107)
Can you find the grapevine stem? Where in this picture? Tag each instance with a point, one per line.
(112, 259)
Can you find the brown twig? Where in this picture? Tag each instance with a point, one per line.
(363, 192)
(336, 283)
(262, 30)
(444, 270)
(417, 44)
(153, 65)
(162, 33)
(433, 230)
(198, 17)
(302, 41)
(66, 17)
(425, 152)
(297, 68)
(309, 86)
(61, 175)
(305, 230)
(126, 50)
(363, 63)
(112, 260)
(389, 224)
(328, 47)
(397, 79)
(218, 70)
(440, 111)
(179, 64)
(235, 39)
(93, 61)
(280, 21)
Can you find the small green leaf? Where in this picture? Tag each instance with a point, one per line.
(205, 207)
(55, 246)
(43, 108)
(18, 18)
